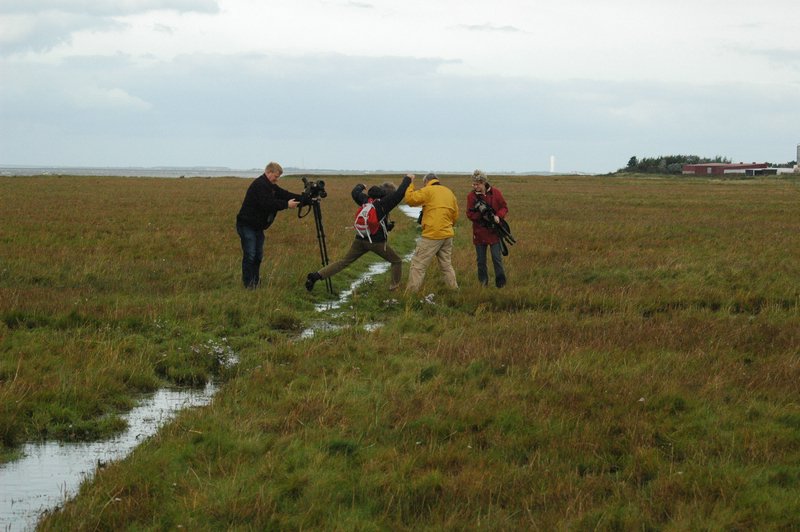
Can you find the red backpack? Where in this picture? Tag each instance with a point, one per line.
(366, 223)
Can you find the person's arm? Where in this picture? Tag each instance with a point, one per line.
(472, 213)
(392, 200)
(287, 200)
(414, 197)
(502, 207)
(270, 200)
(359, 195)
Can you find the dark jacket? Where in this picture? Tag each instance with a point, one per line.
(481, 233)
(382, 205)
(262, 202)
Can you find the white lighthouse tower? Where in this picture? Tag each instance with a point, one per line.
(797, 161)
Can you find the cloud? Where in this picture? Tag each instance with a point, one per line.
(107, 9)
(105, 99)
(340, 111)
(360, 5)
(163, 28)
(779, 57)
(176, 81)
(41, 25)
(491, 28)
(348, 4)
(46, 30)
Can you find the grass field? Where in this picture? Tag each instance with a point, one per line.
(641, 370)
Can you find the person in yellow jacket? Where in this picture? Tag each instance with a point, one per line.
(439, 215)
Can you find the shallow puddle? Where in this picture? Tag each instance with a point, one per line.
(50, 473)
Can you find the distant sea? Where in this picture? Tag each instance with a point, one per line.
(193, 171)
(136, 171)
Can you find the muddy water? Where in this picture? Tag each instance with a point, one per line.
(51, 472)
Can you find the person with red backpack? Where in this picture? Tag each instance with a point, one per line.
(372, 227)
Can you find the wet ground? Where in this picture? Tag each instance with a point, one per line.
(331, 316)
(51, 472)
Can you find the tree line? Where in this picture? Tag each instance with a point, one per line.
(667, 164)
(673, 164)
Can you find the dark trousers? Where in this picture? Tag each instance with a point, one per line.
(252, 254)
(497, 262)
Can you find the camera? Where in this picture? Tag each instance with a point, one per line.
(486, 212)
(483, 208)
(312, 191)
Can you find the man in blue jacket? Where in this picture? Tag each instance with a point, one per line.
(263, 200)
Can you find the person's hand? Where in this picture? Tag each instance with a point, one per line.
(496, 219)
(411, 177)
(293, 203)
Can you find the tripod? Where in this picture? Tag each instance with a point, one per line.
(504, 232)
(323, 249)
(501, 229)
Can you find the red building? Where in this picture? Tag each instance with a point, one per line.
(721, 168)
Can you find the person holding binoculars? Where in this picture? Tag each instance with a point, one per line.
(487, 208)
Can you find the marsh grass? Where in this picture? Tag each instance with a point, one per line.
(639, 371)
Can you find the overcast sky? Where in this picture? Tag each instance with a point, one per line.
(397, 85)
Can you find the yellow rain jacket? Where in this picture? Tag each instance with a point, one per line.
(439, 209)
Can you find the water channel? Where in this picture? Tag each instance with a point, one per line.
(50, 473)
(327, 323)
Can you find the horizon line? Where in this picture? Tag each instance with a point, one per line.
(288, 170)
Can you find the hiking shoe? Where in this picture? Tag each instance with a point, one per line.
(312, 278)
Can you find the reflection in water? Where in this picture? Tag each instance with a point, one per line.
(411, 212)
(51, 472)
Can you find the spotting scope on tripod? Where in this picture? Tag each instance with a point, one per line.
(313, 191)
